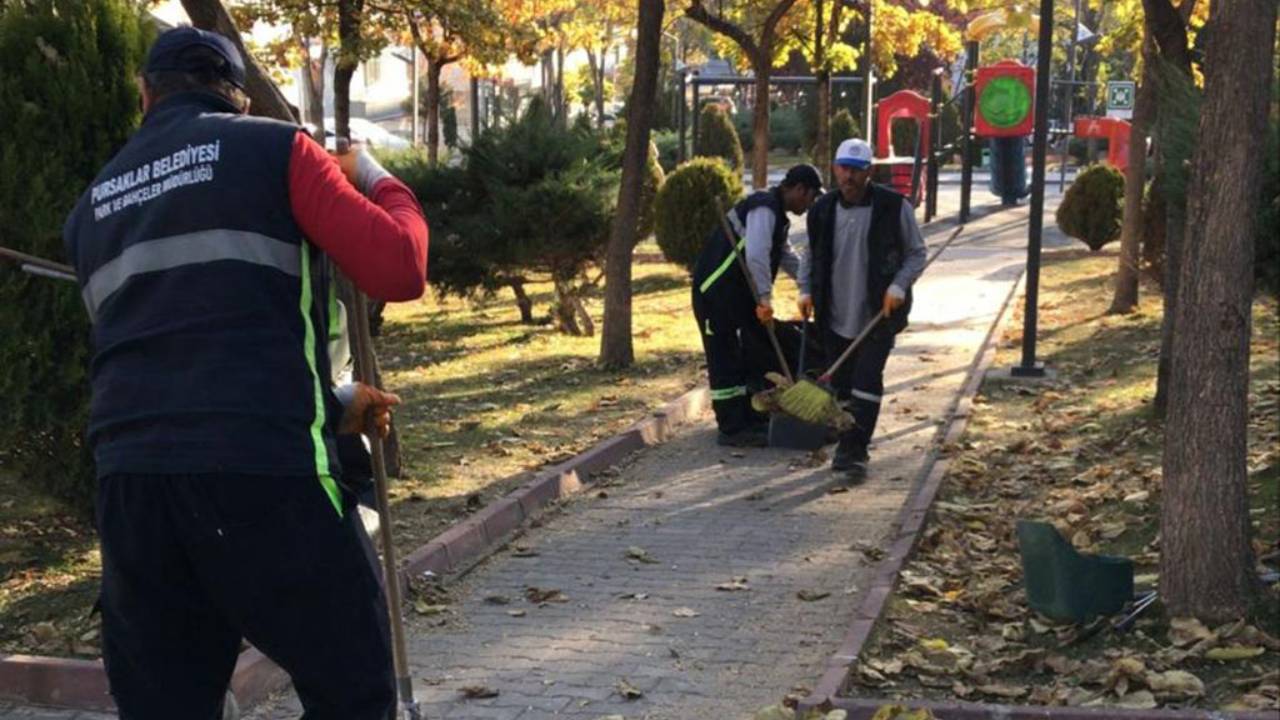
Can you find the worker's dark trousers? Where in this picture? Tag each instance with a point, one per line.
(192, 564)
(737, 350)
(859, 383)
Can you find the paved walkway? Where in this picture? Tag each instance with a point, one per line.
(705, 619)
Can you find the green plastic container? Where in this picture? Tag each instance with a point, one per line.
(1065, 584)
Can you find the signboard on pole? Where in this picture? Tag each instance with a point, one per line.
(1006, 97)
(1120, 98)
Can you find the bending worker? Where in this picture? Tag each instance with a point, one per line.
(221, 508)
(866, 251)
(730, 321)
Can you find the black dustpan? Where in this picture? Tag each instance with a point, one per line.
(792, 433)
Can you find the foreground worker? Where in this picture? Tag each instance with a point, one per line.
(866, 251)
(199, 249)
(730, 320)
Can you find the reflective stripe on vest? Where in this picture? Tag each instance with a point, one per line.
(194, 248)
(317, 423)
(741, 231)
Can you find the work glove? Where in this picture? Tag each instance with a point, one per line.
(764, 313)
(360, 168)
(365, 409)
(894, 297)
(805, 306)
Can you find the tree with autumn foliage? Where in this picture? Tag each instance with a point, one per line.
(449, 31)
(753, 26)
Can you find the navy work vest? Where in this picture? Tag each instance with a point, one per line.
(210, 310)
(716, 272)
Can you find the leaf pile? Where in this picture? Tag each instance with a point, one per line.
(1082, 452)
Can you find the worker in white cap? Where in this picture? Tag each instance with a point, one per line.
(865, 253)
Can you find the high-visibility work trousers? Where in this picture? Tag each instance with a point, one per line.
(738, 354)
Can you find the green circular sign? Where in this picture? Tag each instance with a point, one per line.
(1004, 102)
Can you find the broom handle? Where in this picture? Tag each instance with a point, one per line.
(751, 283)
(826, 376)
(363, 351)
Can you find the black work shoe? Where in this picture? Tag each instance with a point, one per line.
(850, 453)
(750, 437)
(856, 472)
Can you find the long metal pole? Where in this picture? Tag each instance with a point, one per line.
(931, 185)
(682, 115)
(363, 351)
(868, 83)
(417, 109)
(1068, 109)
(966, 122)
(1029, 367)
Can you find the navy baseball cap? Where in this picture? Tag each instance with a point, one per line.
(169, 54)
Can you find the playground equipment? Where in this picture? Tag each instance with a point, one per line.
(903, 172)
(1005, 102)
(1114, 130)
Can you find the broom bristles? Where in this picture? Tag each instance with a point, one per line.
(809, 402)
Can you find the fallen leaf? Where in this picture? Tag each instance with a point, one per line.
(1138, 700)
(538, 595)
(629, 691)
(1178, 683)
(734, 585)
(936, 644)
(516, 613)
(1234, 652)
(812, 595)
(477, 692)
(1187, 631)
(684, 612)
(1004, 691)
(636, 552)
(424, 608)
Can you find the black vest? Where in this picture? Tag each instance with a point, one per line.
(885, 254)
(211, 311)
(716, 263)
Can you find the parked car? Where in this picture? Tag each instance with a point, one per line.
(370, 134)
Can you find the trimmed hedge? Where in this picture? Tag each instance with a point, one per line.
(686, 209)
(717, 138)
(69, 102)
(1093, 207)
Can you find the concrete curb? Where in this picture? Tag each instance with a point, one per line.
(909, 523)
(82, 684)
(473, 539)
(866, 709)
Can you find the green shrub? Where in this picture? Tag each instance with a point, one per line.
(685, 209)
(653, 180)
(668, 143)
(717, 138)
(69, 102)
(843, 127)
(743, 124)
(1092, 209)
(786, 130)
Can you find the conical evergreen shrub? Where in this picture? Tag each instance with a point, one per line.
(685, 210)
(68, 102)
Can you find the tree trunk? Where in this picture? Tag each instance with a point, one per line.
(265, 99)
(566, 310)
(522, 301)
(562, 105)
(1126, 290)
(597, 83)
(315, 90)
(760, 121)
(1206, 561)
(348, 58)
(615, 343)
(434, 67)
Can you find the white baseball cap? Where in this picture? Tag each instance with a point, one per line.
(855, 153)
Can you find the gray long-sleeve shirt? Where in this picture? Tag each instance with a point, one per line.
(760, 223)
(849, 313)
